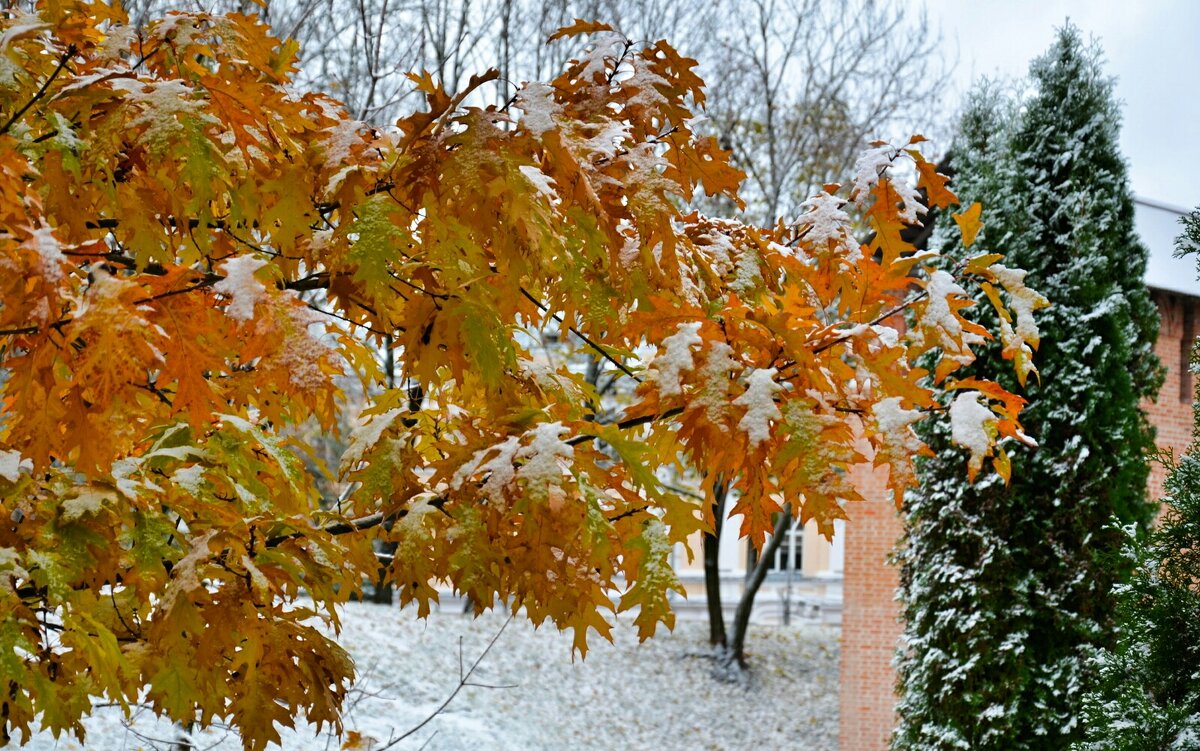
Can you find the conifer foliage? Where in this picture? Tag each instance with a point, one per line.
(1005, 589)
(192, 250)
(1149, 695)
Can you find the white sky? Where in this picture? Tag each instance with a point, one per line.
(1152, 48)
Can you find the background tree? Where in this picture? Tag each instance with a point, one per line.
(801, 86)
(1148, 698)
(1005, 590)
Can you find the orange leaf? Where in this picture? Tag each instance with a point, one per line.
(579, 27)
(934, 185)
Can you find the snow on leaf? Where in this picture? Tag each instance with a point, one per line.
(1023, 301)
(86, 502)
(759, 401)
(499, 469)
(714, 378)
(913, 207)
(163, 103)
(43, 242)
(10, 563)
(718, 249)
(301, 353)
(827, 223)
(972, 426)
(610, 138)
(240, 286)
(364, 437)
(647, 84)
(655, 580)
(868, 169)
(536, 100)
(667, 368)
(339, 140)
(748, 273)
(544, 458)
(939, 318)
(601, 55)
(894, 422)
(897, 443)
(189, 478)
(540, 180)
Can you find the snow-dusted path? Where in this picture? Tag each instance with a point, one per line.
(657, 695)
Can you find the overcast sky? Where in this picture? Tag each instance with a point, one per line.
(1151, 46)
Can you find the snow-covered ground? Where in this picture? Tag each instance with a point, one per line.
(657, 695)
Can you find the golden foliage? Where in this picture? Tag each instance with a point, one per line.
(166, 200)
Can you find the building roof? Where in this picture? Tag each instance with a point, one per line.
(1158, 225)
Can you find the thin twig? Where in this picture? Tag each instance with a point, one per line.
(600, 350)
(62, 63)
(463, 680)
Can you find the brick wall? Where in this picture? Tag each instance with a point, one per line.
(870, 616)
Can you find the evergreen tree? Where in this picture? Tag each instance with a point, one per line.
(1149, 695)
(1007, 590)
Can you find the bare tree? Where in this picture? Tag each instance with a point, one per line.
(799, 88)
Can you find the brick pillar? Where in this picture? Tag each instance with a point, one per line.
(1172, 412)
(870, 616)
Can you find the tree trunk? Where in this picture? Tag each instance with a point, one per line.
(741, 618)
(712, 571)
(382, 593)
(183, 737)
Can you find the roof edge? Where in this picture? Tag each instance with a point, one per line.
(1156, 204)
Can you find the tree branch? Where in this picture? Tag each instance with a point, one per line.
(599, 350)
(62, 63)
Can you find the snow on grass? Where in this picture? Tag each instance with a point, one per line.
(658, 695)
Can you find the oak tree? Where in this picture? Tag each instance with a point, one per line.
(193, 252)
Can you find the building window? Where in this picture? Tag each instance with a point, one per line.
(790, 551)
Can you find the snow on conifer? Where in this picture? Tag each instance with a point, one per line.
(1006, 589)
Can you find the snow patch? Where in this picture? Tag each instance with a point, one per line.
(240, 286)
(1022, 300)
(759, 401)
(828, 223)
(364, 437)
(43, 242)
(189, 478)
(714, 377)
(971, 424)
(894, 422)
(536, 100)
(540, 180)
(544, 457)
(667, 368)
(339, 140)
(11, 465)
(163, 103)
(868, 169)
